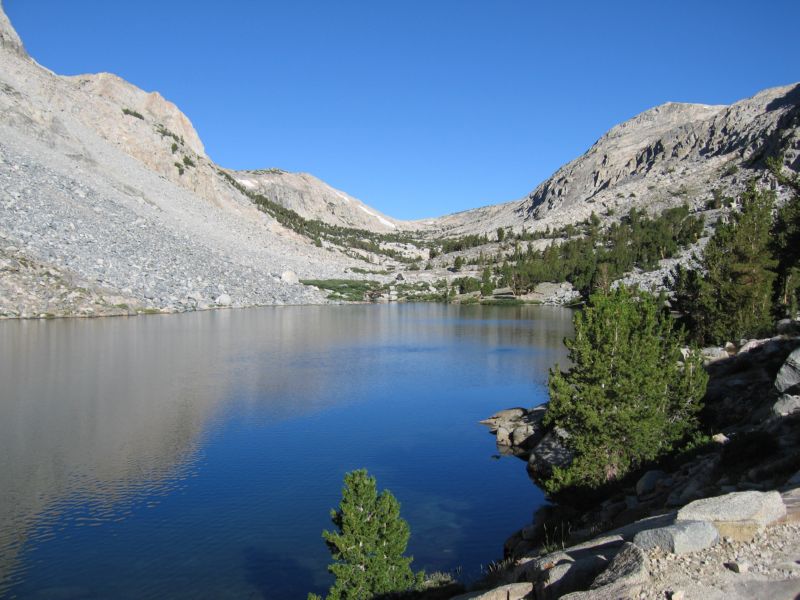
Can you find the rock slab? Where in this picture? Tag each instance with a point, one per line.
(680, 538)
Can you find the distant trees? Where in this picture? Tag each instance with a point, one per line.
(630, 395)
(598, 256)
(368, 544)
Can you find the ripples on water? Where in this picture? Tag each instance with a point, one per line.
(198, 455)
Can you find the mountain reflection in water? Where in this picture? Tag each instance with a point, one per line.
(198, 455)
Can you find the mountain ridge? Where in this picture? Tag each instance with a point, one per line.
(93, 157)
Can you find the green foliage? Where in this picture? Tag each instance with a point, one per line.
(786, 243)
(369, 543)
(188, 161)
(132, 113)
(487, 285)
(598, 256)
(462, 243)
(465, 285)
(174, 147)
(630, 395)
(164, 132)
(501, 234)
(348, 237)
(732, 298)
(180, 168)
(458, 263)
(352, 290)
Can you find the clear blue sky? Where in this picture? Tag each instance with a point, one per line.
(419, 108)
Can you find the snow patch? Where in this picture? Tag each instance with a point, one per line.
(248, 183)
(381, 219)
(341, 195)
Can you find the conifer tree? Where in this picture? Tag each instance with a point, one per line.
(368, 544)
(786, 243)
(629, 396)
(733, 296)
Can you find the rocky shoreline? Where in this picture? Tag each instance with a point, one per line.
(720, 521)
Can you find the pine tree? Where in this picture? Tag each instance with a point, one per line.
(630, 395)
(786, 243)
(368, 544)
(733, 297)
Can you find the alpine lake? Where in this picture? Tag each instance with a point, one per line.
(199, 455)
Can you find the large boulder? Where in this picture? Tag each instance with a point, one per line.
(552, 451)
(568, 570)
(647, 482)
(789, 376)
(738, 515)
(505, 418)
(624, 578)
(680, 538)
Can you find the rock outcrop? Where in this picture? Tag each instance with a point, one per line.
(718, 503)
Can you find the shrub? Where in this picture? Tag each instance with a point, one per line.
(368, 543)
(188, 161)
(630, 396)
(132, 113)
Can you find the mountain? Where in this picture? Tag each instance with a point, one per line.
(109, 204)
(664, 156)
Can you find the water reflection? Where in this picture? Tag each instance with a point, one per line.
(100, 416)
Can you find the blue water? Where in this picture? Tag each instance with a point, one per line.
(199, 455)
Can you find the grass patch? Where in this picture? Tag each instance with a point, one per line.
(350, 290)
(361, 271)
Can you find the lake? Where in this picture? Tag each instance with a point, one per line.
(199, 455)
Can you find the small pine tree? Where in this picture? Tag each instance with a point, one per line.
(630, 395)
(368, 544)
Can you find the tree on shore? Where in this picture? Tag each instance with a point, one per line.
(630, 395)
(368, 544)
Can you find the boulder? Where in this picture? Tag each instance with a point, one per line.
(504, 292)
(713, 354)
(788, 327)
(628, 568)
(290, 277)
(551, 452)
(628, 532)
(565, 571)
(647, 482)
(521, 434)
(680, 538)
(789, 375)
(503, 437)
(503, 418)
(786, 405)
(512, 591)
(739, 515)
(224, 300)
(622, 580)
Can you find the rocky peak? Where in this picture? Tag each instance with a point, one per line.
(9, 40)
